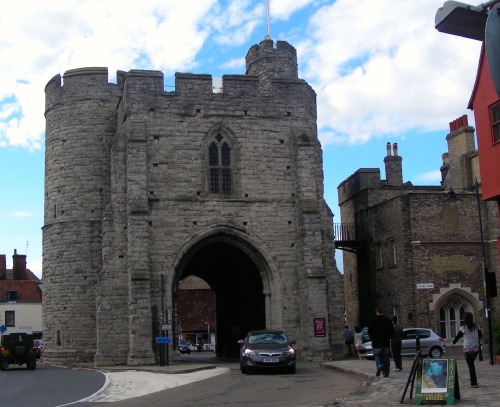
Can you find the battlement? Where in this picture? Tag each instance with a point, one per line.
(265, 60)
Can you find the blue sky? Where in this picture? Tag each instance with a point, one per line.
(380, 70)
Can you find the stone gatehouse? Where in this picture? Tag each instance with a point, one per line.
(144, 187)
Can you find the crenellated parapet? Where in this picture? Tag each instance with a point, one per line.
(264, 60)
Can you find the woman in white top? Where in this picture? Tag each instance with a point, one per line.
(472, 341)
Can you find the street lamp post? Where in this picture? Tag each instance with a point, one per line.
(485, 275)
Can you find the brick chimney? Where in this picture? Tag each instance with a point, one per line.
(19, 266)
(461, 144)
(3, 267)
(393, 166)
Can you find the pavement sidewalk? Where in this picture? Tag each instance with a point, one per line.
(381, 391)
(374, 391)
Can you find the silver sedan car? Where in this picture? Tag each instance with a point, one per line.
(431, 344)
(267, 349)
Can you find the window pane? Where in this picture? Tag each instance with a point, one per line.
(392, 253)
(213, 155)
(214, 181)
(10, 318)
(496, 132)
(226, 155)
(12, 295)
(226, 181)
(496, 114)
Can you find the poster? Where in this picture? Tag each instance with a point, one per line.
(319, 327)
(437, 380)
(434, 376)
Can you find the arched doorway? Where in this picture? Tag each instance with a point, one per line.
(225, 263)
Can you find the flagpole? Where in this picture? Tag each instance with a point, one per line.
(268, 36)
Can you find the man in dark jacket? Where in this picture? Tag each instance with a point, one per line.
(381, 332)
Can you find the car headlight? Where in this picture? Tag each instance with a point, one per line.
(248, 352)
(289, 352)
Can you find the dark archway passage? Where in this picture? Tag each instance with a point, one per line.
(236, 281)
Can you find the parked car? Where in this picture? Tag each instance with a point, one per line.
(184, 346)
(431, 344)
(267, 349)
(38, 347)
(17, 349)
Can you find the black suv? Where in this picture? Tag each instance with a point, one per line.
(17, 349)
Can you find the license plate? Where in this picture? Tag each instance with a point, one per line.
(270, 360)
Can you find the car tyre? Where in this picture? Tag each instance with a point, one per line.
(4, 365)
(292, 369)
(244, 369)
(435, 352)
(31, 364)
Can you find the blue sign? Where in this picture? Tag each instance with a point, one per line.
(3, 329)
(163, 339)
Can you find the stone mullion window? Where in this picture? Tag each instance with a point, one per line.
(219, 161)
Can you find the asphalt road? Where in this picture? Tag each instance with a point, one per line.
(46, 386)
(312, 385)
(50, 386)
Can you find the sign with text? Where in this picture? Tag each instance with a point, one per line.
(163, 339)
(437, 380)
(425, 286)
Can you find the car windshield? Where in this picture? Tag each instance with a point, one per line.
(267, 337)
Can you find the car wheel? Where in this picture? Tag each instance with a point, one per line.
(435, 353)
(189, 351)
(4, 365)
(292, 369)
(31, 364)
(244, 369)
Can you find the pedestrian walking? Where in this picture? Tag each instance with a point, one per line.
(396, 342)
(381, 332)
(348, 338)
(472, 341)
(358, 339)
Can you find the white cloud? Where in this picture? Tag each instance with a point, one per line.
(382, 68)
(428, 177)
(282, 9)
(378, 67)
(236, 22)
(51, 37)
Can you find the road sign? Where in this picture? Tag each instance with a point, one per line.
(3, 329)
(166, 327)
(163, 339)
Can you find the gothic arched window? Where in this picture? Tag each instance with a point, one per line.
(451, 316)
(220, 166)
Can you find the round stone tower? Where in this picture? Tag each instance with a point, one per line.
(80, 123)
(270, 63)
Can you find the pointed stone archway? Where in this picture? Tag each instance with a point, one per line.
(236, 268)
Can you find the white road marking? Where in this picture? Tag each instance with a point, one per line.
(124, 385)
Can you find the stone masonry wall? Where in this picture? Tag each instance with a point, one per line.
(142, 199)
